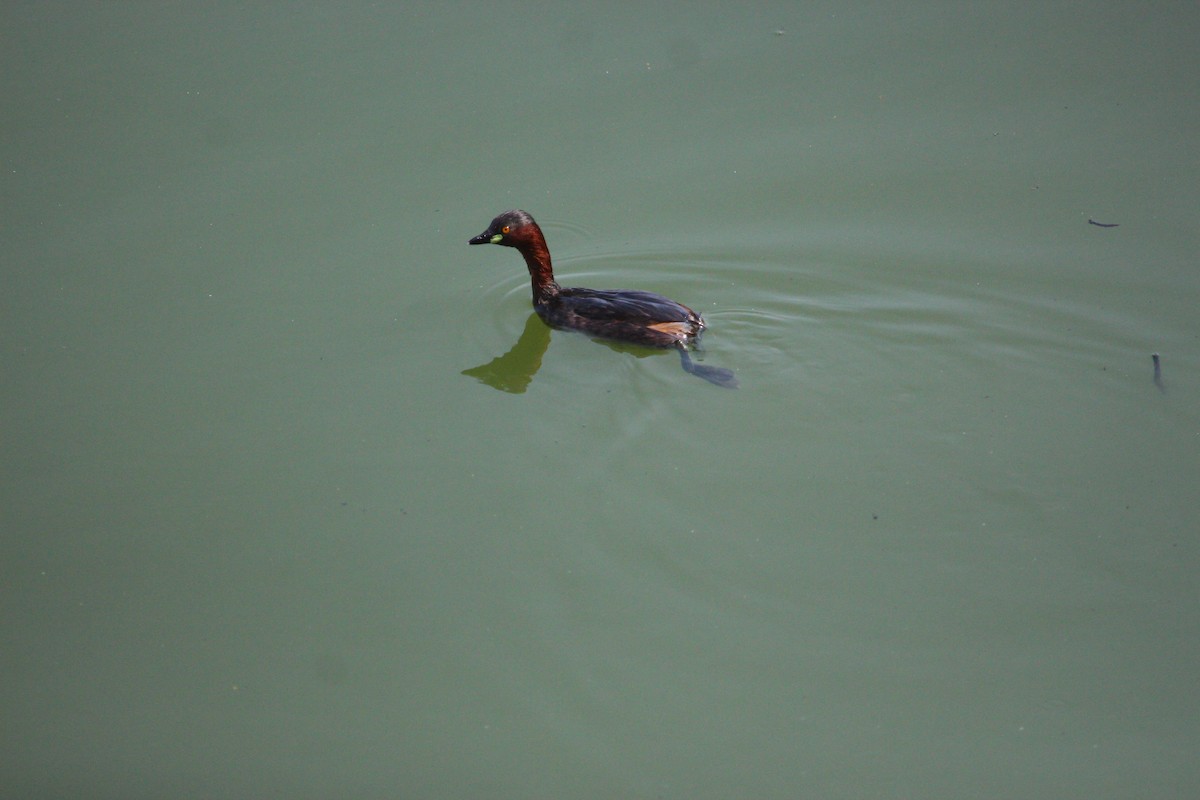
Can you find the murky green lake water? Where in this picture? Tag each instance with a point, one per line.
(298, 500)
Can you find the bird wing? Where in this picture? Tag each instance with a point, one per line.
(624, 304)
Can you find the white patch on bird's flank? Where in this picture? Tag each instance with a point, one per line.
(672, 328)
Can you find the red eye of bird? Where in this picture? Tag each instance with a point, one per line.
(505, 229)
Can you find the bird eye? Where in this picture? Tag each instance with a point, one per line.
(505, 229)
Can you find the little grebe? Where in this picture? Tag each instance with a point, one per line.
(619, 314)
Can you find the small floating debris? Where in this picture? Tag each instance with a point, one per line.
(1104, 224)
(1158, 380)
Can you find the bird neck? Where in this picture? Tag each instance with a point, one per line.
(541, 273)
